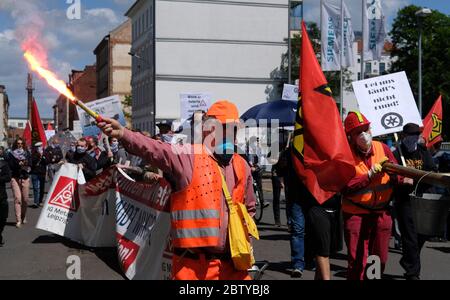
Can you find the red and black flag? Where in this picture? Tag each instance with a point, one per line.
(321, 153)
(432, 124)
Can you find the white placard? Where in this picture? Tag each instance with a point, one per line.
(387, 102)
(290, 92)
(192, 102)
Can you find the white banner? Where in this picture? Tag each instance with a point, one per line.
(374, 33)
(192, 102)
(387, 102)
(109, 107)
(331, 37)
(290, 92)
(113, 210)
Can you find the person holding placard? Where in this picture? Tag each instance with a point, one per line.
(365, 205)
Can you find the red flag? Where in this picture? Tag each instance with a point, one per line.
(49, 126)
(432, 124)
(321, 154)
(37, 129)
(27, 135)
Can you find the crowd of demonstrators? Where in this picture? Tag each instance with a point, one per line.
(38, 173)
(19, 159)
(5, 177)
(83, 159)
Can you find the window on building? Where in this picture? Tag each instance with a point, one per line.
(142, 23)
(20, 125)
(382, 68)
(359, 60)
(368, 67)
(146, 19)
(359, 75)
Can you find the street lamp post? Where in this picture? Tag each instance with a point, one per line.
(421, 14)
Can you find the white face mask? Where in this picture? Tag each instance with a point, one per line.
(364, 141)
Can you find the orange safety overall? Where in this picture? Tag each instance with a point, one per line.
(196, 222)
(367, 223)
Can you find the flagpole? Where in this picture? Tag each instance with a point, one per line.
(342, 59)
(363, 7)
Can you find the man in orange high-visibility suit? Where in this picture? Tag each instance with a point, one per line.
(367, 220)
(199, 212)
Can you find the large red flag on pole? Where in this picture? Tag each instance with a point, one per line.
(322, 156)
(432, 124)
(27, 135)
(37, 129)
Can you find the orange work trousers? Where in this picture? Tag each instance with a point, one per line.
(202, 269)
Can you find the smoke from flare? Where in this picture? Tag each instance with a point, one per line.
(49, 76)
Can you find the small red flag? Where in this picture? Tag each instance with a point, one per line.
(322, 156)
(37, 129)
(49, 126)
(432, 124)
(27, 135)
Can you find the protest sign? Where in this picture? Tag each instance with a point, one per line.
(387, 102)
(191, 102)
(113, 210)
(290, 92)
(109, 107)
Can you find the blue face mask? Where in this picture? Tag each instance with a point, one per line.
(81, 150)
(114, 147)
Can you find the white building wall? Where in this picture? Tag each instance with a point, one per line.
(232, 49)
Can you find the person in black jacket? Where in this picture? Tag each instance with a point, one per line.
(5, 176)
(19, 160)
(416, 156)
(83, 159)
(38, 172)
(53, 156)
(100, 156)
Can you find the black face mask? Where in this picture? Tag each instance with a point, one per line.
(223, 159)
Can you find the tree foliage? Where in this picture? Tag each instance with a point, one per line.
(435, 56)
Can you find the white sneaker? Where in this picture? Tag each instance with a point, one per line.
(24, 221)
(18, 224)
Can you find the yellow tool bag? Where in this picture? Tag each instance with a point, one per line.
(240, 226)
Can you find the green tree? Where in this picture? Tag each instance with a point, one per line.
(333, 77)
(127, 105)
(435, 56)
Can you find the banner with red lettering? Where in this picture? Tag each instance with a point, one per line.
(113, 210)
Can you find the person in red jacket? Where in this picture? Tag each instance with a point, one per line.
(365, 203)
(199, 212)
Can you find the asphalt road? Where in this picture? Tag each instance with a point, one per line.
(30, 253)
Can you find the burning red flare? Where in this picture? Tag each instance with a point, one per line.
(49, 76)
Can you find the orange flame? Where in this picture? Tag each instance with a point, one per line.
(49, 76)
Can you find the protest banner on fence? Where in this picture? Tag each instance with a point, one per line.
(112, 210)
(109, 107)
(387, 102)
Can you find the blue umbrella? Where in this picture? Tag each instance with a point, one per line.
(282, 110)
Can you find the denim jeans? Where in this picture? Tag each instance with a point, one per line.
(297, 237)
(38, 188)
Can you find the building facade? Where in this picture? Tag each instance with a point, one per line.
(4, 107)
(230, 49)
(114, 63)
(83, 85)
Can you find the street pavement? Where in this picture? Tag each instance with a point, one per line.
(30, 253)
